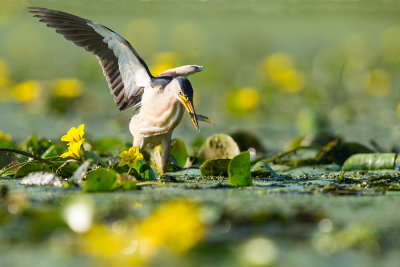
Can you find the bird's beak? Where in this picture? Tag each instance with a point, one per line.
(188, 103)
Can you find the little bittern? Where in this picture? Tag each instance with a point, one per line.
(159, 101)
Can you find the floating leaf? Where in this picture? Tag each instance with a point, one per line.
(262, 169)
(219, 146)
(100, 180)
(179, 152)
(126, 182)
(215, 167)
(42, 179)
(30, 167)
(104, 145)
(6, 158)
(126, 170)
(145, 171)
(370, 161)
(239, 170)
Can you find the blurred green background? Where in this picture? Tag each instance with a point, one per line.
(279, 68)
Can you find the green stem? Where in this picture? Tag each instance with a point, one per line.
(28, 155)
(341, 177)
(130, 168)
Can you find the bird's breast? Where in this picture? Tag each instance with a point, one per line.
(156, 118)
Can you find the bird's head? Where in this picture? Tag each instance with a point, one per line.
(185, 95)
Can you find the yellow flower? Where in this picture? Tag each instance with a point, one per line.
(74, 135)
(5, 137)
(291, 80)
(26, 91)
(74, 150)
(75, 139)
(175, 224)
(113, 245)
(280, 69)
(277, 62)
(164, 61)
(130, 157)
(377, 82)
(67, 88)
(247, 99)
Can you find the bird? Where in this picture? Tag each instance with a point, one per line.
(159, 102)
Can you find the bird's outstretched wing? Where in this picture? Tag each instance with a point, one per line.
(126, 72)
(181, 71)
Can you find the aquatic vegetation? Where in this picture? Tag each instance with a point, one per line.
(130, 157)
(67, 88)
(280, 69)
(26, 91)
(74, 139)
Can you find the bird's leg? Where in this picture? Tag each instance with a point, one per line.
(165, 149)
(204, 118)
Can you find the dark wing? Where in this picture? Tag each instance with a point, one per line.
(126, 72)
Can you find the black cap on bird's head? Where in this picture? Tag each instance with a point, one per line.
(186, 97)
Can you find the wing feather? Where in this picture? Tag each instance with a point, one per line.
(126, 72)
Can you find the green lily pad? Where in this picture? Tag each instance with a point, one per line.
(6, 158)
(30, 167)
(370, 161)
(215, 167)
(262, 169)
(145, 171)
(239, 170)
(125, 169)
(100, 180)
(126, 182)
(219, 146)
(179, 152)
